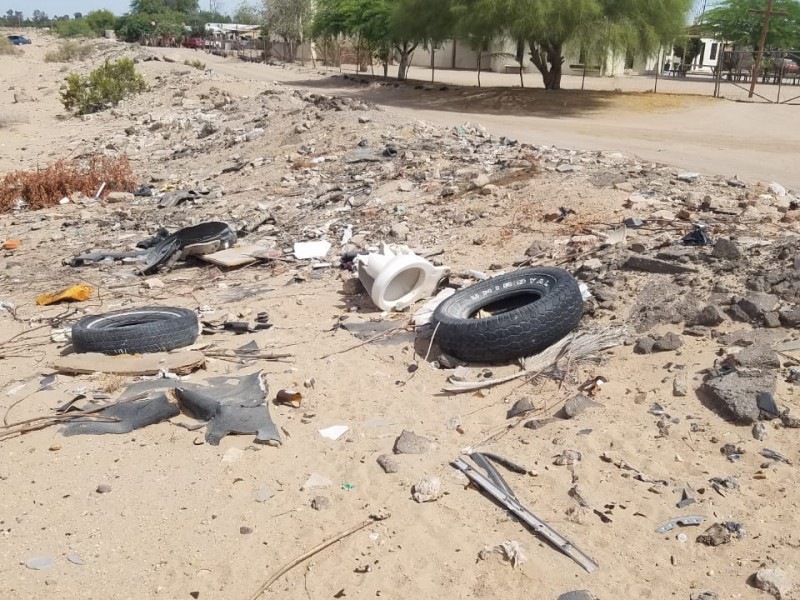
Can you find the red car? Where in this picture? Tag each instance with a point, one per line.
(194, 43)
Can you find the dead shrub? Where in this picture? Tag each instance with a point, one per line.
(7, 47)
(68, 51)
(45, 187)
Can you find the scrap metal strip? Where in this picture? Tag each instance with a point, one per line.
(538, 526)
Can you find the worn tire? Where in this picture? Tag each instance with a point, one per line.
(523, 330)
(136, 330)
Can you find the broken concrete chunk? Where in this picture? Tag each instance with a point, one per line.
(737, 392)
(680, 385)
(410, 443)
(721, 533)
(774, 581)
(427, 489)
(758, 356)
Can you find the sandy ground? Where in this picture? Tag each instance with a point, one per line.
(181, 519)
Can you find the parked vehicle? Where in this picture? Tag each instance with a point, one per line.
(787, 65)
(194, 43)
(18, 40)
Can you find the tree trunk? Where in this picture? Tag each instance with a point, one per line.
(358, 53)
(433, 63)
(520, 57)
(405, 50)
(547, 57)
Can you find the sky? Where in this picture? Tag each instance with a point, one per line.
(69, 7)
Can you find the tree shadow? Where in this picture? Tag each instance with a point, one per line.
(419, 95)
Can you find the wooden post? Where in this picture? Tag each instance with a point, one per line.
(768, 14)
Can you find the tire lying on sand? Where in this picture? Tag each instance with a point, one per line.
(509, 316)
(136, 330)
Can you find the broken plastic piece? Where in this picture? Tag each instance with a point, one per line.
(634, 223)
(76, 293)
(130, 416)
(680, 521)
(697, 237)
(315, 249)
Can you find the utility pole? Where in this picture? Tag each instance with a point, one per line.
(768, 14)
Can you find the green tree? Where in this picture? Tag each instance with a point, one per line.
(291, 20)
(101, 20)
(733, 21)
(435, 23)
(148, 7)
(247, 14)
(73, 28)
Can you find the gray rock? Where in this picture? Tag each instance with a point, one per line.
(388, 463)
(39, 563)
(757, 305)
(568, 168)
(710, 316)
(668, 342)
(520, 407)
(774, 581)
(410, 443)
(726, 249)
(680, 385)
(737, 392)
(576, 405)
(758, 356)
(760, 431)
(644, 345)
(480, 181)
(637, 262)
(577, 595)
(790, 318)
(103, 488)
(772, 319)
(688, 176)
(537, 248)
(320, 503)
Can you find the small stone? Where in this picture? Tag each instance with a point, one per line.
(568, 457)
(117, 197)
(410, 443)
(758, 304)
(688, 176)
(576, 405)
(245, 530)
(55, 447)
(400, 231)
(314, 481)
(103, 488)
(668, 342)
(232, 455)
(427, 489)
(40, 563)
(388, 463)
(644, 345)
(263, 494)
(320, 503)
(577, 595)
(704, 596)
(568, 168)
(720, 533)
(726, 249)
(406, 186)
(153, 283)
(774, 581)
(760, 432)
(680, 385)
(777, 189)
(790, 318)
(363, 119)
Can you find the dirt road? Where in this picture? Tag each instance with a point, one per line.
(756, 142)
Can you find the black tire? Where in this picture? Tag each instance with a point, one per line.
(136, 330)
(522, 329)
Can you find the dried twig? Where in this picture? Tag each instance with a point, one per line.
(576, 348)
(315, 550)
(377, 336)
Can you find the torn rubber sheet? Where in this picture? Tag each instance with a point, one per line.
(226, 405)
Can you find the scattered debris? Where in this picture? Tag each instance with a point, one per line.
(427, 489)
(409, 442)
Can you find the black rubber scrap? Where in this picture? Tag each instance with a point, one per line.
(136, 330)
(527, 311)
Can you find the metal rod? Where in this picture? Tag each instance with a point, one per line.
(538, 526)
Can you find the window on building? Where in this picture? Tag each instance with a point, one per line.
(713, 53)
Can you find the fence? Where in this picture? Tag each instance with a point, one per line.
(777, 82)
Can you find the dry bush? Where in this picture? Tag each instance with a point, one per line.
(68, 51)
(7, 47)
(47, 186)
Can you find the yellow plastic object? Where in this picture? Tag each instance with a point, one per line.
(76, 293)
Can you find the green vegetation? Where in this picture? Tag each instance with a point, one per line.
(734, 21)
(68, 51)
(199, 65)
(105, 86)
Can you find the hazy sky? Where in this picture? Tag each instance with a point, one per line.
(68, 7)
